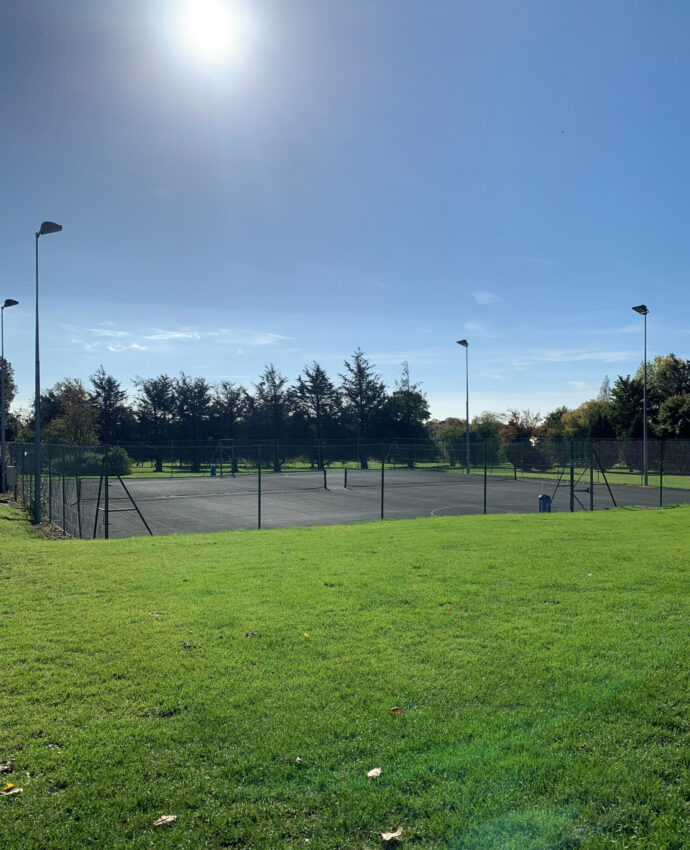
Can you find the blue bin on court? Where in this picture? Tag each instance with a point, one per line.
(213, 471)
(545, 504)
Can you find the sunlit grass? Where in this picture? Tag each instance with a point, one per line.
(541, 664)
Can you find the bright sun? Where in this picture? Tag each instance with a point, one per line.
(213, 30)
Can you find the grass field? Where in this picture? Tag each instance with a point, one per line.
(242, 681)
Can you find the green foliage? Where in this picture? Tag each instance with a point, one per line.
(540, 662)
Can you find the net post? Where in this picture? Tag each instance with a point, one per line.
(661, 473)
(591, 475)
(258, 488)
(345, 484)
(383, 475)
(485, 459)
(325, 483)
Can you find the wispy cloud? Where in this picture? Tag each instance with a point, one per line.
(482, 297)
(107, 333)
(88, 347)
(165, 335)
(478, 329)
(117, 348)
(573, 356)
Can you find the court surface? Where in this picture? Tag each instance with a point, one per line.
(204, 504)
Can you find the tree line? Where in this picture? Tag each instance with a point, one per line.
(315, 407)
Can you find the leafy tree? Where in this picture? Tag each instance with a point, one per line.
(674, 416)
(520, 436)
(109, 400)
(76, 420)
(626, 406)
(10, 392)
(407, 408)
(364, 395)
(667, 376)
(452, 434)
(553, 427)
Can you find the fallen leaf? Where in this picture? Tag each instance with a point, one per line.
(447, 607)
(395, 710)
(10, 789)
(298, 760)
(392, 836)
(6, 766)
(375, 771)
(155, 613)
(306, 634)
(189, 646)
(250, 634)
(165, 819)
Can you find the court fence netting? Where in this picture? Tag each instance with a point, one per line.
(138, 489)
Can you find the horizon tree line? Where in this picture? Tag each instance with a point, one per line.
(316, 408)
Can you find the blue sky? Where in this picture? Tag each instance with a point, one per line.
(392, 175)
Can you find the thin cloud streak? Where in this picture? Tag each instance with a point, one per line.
(482, 297)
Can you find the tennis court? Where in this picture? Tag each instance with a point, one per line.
(140, 506)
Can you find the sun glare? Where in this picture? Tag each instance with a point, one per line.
(213, 30)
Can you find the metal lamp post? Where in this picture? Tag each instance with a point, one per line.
(46, 228)
(642, 310)
(9, 302)
(465, 344)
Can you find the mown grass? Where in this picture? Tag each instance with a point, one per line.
(541, 663)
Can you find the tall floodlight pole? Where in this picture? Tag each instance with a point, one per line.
(9, 302)
(46, 228)
(465, 344)
(642, 310)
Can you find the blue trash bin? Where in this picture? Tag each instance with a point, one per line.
(213, 471)
(545, 504)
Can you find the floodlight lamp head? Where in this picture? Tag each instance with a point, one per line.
(641, 309)
(463, 342)
(9, 302)
(49, 227)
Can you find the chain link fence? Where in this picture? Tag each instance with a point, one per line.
(150, 489)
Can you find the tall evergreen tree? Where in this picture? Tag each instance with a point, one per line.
(317, 399)
(364, 395)
(109, 400)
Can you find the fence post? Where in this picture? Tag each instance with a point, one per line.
(78, 492)
(383, 475)
(485, 454)
(661, 473)
(105, 500)
(572, 478)
(259, 489)
(50, 485)
(591, 475)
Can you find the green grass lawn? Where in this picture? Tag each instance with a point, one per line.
(541, 664)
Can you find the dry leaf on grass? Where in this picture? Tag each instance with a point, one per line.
(6, 766)
(376, 771)
(306, 634)
(448, 607)
(10, 789)
(391, 836)
(395, 710)
(189, 646)
(155, 613)
(250, 634)
(161, 821)
(298, 760)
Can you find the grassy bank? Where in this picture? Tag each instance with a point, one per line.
(243, 682)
